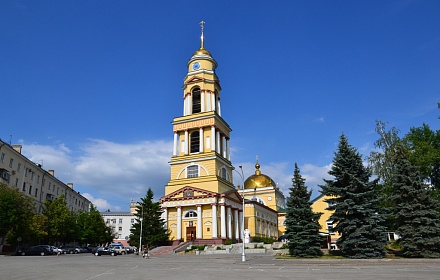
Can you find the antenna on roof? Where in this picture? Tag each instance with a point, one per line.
(10, 141)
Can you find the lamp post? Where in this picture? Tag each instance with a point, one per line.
(243, 254)
(140, 235)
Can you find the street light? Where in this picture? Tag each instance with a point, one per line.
(140, 235)
(243, 254)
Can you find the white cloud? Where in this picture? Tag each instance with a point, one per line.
(110, 173)
(101, 204)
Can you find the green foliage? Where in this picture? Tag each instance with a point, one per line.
(16, 215)
(302, 224)
(61, 222)
(424, 145)
(262, 239)
(91, 228)
(416, 215)
(229, 242)
(153, 230)
(355, 202)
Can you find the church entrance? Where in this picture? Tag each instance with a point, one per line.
(190, 233)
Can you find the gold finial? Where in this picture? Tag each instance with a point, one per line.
(257, 166)
(202, 43)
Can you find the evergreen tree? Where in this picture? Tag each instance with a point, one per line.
(302, 224)
(416, 217)
(355, 201)
(153, 226)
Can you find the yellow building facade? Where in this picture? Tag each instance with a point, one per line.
(200, 201)
(319, 206)
(264, 206)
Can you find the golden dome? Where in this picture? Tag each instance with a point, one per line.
(258, 180)
(202, 51)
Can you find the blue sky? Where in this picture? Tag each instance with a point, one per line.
(90, 88)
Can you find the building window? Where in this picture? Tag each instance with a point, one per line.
(30, 189)
(11, 161)
(195, 142)
(19, 167)
(191, 214)
(120, 221)
(192, 171)
(36, 192)
(196, 101)
(108, 221)
(2, 158)
(16, 182)
(224, 173)
(113, 221)
(120, 228)
(132, 221)
(38, 179)
(330, 227)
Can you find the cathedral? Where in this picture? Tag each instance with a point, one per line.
(201, 203)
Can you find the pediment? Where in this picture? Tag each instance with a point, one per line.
(188, 192)
(194, 80)
(233, 195)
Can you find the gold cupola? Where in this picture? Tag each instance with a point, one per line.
(258, 180)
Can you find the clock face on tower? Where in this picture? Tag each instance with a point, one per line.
(196, 66)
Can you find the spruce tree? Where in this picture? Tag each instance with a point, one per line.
(153, 230)
(416, 217)
(355, 201)
(302, 224)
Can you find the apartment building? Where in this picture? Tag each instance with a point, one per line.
(30, 178)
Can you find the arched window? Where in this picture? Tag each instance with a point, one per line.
(196, 101)
(195, 142)
(192, 171)
(191, 214)
(224, 173)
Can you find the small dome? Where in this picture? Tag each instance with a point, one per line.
(258, 180)
(202, 51)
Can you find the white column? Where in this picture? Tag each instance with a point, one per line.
(165, 216)
(222, 221)
(213, 101)
(201, 140)
(175, 143)
(228, 151)
(236, 224)
(229, 216)
(179, 223)
(184, 106)
(208, 102)
(212, 138)
(189, 104)
(217, 136)
(214, 221)
(202, 97)
(219, 111)
(224, 146)
(199, 222)
(186, 142)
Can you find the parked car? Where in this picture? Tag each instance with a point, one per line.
(69, 250)
(36, 251)
(119, 249)
(106, 251)
(56, 250)
(20, 251)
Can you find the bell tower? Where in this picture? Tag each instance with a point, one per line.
(201, 155)
(200, 200)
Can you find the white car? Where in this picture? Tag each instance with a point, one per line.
(56, 250)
